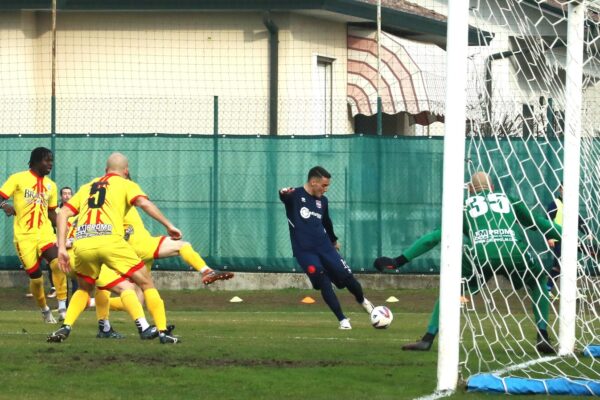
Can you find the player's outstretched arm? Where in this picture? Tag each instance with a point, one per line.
(152, 210)
(421, 246)
(383, 263)
(529, 219)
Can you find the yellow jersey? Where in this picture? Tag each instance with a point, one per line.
(134, 226)
(71, 224)
(101, 206)
(33, 196)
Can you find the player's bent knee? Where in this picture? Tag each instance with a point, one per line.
(121, 287)
(36, 274)
(180, 243)
(143, 280)
(50, 254)
(316, 278)
(171, 248)
(85, 285)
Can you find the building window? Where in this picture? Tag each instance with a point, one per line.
(324, 95)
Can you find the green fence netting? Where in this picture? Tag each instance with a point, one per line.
(222, 193)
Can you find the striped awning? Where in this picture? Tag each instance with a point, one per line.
(412, 75)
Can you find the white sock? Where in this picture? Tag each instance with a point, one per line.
(62, 304)
(142, 324)
(45, 309)
(206, 268)
(105, 324)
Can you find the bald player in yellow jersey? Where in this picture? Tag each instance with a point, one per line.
(101, 206)
(35, 200)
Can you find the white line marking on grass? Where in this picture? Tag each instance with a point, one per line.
(436, 395)
(517, 367)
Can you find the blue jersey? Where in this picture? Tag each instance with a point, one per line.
(308, 220)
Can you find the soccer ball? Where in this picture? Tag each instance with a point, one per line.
(381, 317)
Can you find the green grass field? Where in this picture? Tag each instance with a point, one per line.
(270, 346)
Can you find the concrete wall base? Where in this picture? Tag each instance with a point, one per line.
(178, 280)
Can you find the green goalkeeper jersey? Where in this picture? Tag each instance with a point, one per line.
(494, 224)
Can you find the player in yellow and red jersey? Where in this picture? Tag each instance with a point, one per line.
(148, 248)
(101, 206)
(34, 203)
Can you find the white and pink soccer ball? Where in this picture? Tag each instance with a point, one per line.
(381, 317)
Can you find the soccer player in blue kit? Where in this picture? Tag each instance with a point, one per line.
(315, 245)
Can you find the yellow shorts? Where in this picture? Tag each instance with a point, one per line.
(30, 250)
(108, 278)
(91, 253)
(72, 274)
(147, 247)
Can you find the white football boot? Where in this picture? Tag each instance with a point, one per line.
(48, 317)
(368, 306)
(345, 324)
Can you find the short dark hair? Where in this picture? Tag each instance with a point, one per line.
(63, 188)
(318, 172)
(38, 154)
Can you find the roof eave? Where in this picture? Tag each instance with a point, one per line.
(391, 18)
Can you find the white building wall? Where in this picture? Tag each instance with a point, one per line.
(300, 44)
(24, 93)
(159, 72)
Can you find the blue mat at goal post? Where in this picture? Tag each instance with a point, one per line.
(593, 350)
(512, 385)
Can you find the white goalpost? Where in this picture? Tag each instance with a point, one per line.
(573, 92)
(532, 93)
(454, 155)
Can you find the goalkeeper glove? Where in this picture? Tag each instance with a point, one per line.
(382, 263)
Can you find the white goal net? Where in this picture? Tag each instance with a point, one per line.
(518, 136)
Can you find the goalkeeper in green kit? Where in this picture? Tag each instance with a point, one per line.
(494, 224)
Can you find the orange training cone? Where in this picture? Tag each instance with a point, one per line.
(308, 300)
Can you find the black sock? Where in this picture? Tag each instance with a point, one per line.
(355, 288)
(331, 299)
(543, 336)
(428, 337)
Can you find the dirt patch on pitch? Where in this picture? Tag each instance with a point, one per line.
(90, 361)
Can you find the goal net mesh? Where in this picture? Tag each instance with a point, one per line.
(516, 133)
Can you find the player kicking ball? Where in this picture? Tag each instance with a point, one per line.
(315, 244)
(150, 248)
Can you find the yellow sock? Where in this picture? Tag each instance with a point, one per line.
(116, 304)
(77, 304)
(102, 304)
(132, 304)
(36, 287)
(156, 306)
(191, 257)
(59, 279)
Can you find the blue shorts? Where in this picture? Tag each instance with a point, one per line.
(325, 261)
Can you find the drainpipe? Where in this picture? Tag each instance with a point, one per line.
(273, 71)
